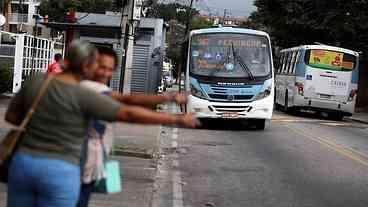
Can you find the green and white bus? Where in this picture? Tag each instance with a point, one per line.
(318, 77)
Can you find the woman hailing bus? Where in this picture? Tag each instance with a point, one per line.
(45, 170)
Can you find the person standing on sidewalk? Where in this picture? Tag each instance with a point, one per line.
(55, 67)
(100, 135)
(45, 169)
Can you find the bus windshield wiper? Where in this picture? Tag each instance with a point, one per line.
(242, 63)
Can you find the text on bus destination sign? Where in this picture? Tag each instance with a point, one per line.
(248, 43)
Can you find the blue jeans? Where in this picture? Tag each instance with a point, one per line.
(85, 194)
(42, 182)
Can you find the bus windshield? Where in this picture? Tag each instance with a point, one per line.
(330, 60)
(230, 55)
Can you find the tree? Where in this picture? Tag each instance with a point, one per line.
(57, 9)
(296, 22)
(177, 16)
(200, 23)
(172, 11)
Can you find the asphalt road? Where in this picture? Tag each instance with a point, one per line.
(297, 161)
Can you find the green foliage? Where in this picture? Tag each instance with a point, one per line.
(172, 11)
(200, 23)
(5, 76)
(295, 22)
(177, 14)
(57, 9)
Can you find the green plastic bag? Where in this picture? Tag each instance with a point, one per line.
(112, 183)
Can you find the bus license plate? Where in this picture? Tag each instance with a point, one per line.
(230, 115)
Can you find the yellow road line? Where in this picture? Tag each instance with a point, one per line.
(349, 153)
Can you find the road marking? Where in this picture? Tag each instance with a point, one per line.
(347, 152)
(178, 200)
(177, 190)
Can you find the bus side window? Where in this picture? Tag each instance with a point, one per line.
(283, 63)
(279, 68)
(292, 63)
(296, 62)
(288, 60)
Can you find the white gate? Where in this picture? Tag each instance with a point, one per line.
(32, 55)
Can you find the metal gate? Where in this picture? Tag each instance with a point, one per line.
(141, 57)
(31, 55)
(7, 57)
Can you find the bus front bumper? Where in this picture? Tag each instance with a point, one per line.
(261, 109)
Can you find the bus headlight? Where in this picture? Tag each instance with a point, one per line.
(264, 94)
(196, 92)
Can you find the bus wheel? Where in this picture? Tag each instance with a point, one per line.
(260, 124)
(336, 116)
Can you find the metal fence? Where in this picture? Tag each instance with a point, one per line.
(26, 55)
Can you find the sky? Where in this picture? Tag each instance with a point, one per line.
(237, 8)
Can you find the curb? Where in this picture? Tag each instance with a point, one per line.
(137, 152)
(133, 152)
(358, 120)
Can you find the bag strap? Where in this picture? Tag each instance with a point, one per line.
(36, 102)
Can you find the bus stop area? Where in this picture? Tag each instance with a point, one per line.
(136, 147)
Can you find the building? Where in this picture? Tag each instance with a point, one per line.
(21, 17)
(143, 74)
(227, 21)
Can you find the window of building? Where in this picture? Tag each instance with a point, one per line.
(13, 28)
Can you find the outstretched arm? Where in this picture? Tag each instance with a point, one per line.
(135, 114)
(149, 101)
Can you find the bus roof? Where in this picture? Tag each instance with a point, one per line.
(229, 30)
(321, 47)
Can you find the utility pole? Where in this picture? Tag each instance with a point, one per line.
(129, 43)
(189, 18)
(186, 33)
(123, 41)
(132, 15)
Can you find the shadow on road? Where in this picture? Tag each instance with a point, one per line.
(227, 125)
(313, 115)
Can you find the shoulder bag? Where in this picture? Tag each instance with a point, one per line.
(9, 143)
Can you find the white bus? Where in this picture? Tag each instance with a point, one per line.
(230, 75)
(318, 77)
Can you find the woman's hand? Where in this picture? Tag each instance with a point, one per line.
(188, 121)
(179, 98)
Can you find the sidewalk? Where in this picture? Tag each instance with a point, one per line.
(360, 117)
(135, 148)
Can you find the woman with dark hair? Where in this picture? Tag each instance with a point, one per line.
(45, 170)
(55, 67)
